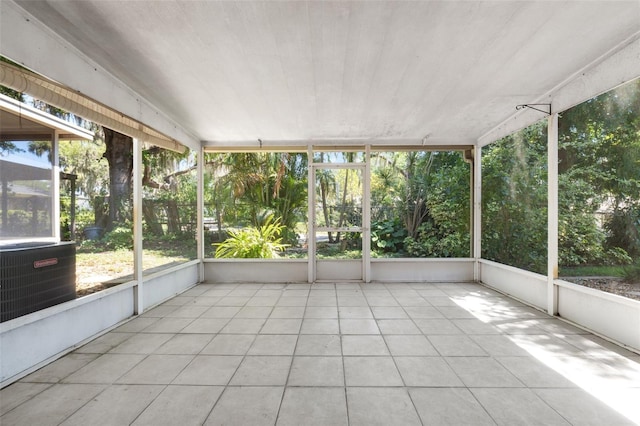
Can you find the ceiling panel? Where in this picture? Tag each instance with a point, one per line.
(381, 71)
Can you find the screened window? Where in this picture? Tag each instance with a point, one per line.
(514, 199)
(26, 178)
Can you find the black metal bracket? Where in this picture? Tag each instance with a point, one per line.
(535, 107)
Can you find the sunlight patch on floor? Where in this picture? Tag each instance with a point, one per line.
(588, 364)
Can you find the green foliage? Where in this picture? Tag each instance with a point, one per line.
(7, 147)
(84, 218)
(514, 200)
(413, 210)
(623, 231)
(388, 236)
(11, 93)
(337, 251)
(20, 222)
(427, 193)
(579, 239)
(448, 201)
(632, 272)
(84, 159)
(263, 242)
(432, 242)
(599, 152)
(600, 176)
(241, 186)
(170, 194)
(120, 238)
(617, 256)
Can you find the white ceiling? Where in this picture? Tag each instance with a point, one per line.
(234, 72)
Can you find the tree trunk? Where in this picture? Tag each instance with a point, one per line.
(119, 155)
(325, 208)
(343, 207)
(219, 221)
(151, 218)
(100, 211)
(173, 217)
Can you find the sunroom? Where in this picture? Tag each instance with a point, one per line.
(398, 147)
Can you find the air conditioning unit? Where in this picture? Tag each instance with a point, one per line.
(34, 276)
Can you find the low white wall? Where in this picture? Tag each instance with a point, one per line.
(416, 270)
(612, 316)
(608, 315)
(30, 341)
(339, 270)
(295, 270)
(255, 270)
(169, 282)
(524, 285)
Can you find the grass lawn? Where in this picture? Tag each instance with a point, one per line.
(98, 268)
(593, 271)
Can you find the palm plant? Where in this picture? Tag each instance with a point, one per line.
(414, 209)
(263, 242)
(252, 183)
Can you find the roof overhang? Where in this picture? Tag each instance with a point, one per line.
(298, 74)
(17, 171)
(22, 122)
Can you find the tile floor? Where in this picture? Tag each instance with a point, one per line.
(335, 354)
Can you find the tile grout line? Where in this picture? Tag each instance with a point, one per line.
(228, 384)
(285, 387)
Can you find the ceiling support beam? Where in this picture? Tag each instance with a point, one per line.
(441, 144)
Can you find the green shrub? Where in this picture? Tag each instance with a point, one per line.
(388, 235)
(431, 242)
(632, 273)
(623, 230)
(263, 242)
(120, 238)
(337, 251)
(617, 256)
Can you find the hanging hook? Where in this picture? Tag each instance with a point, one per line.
(535, 107)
